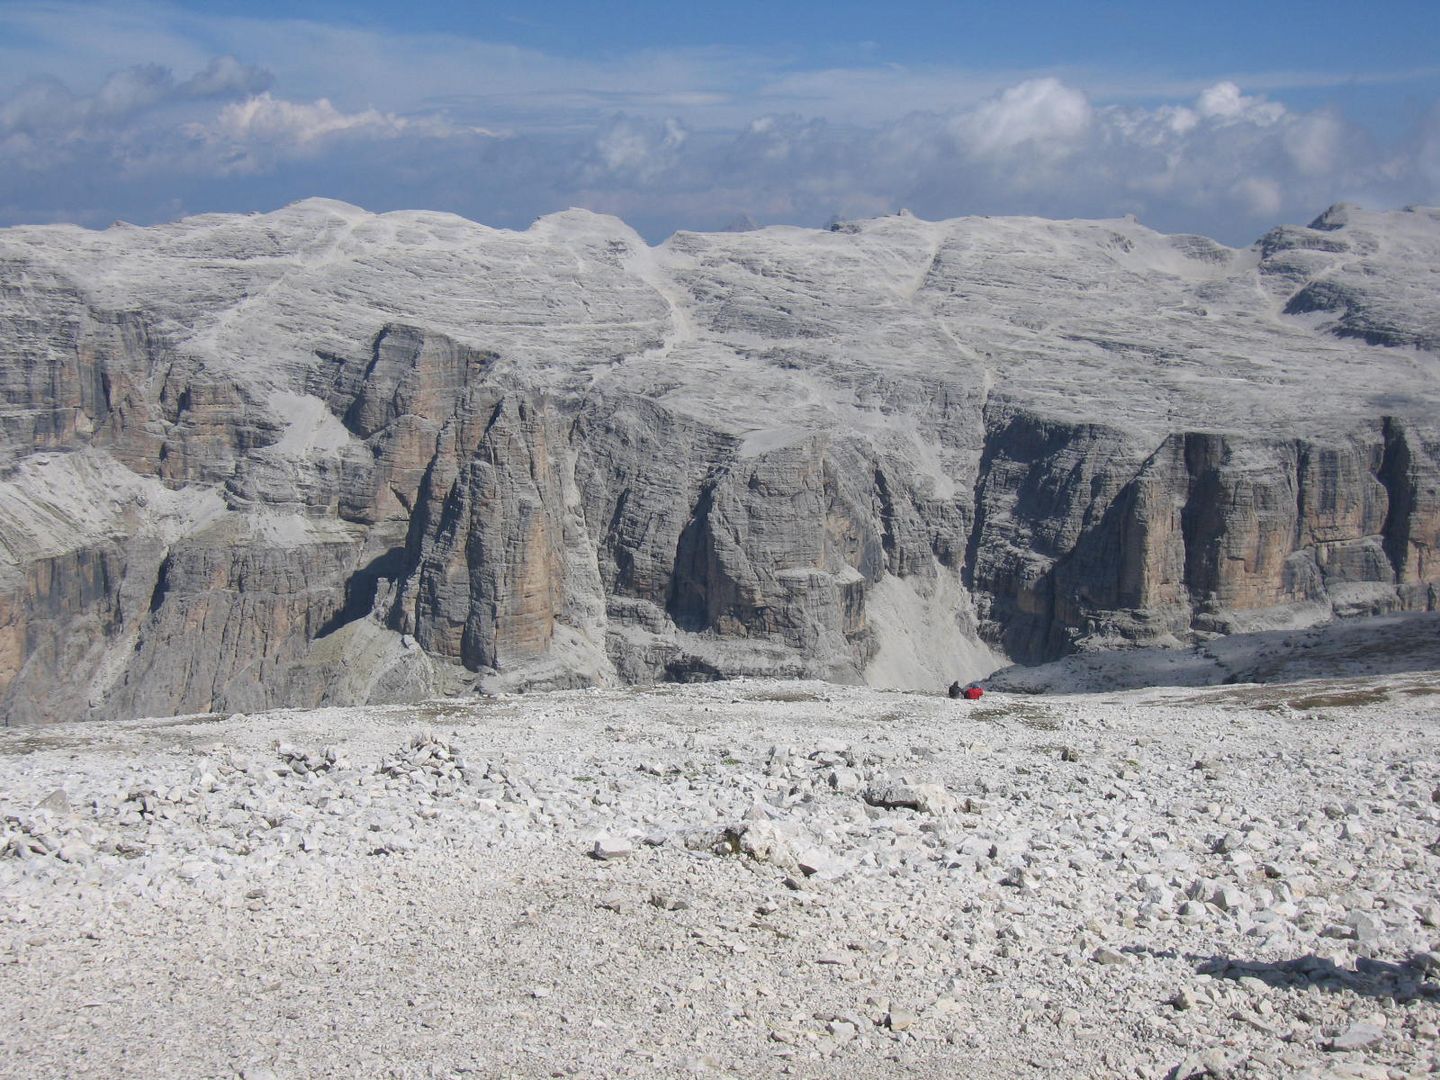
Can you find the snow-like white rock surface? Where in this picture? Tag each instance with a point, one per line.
(1089, 318)
(52, 503)
(743, 878)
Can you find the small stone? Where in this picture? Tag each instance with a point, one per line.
(1366, 926)
(1231, 841)
(1215, 1062)
(833, 957)
(900, 1019)
(760, 840)
(812, 861)
(74, 852)
(898, 795)
(1229, 898)
(609, 847)
(57, 802)
(1017, 877)
(1356, 1037)
(1183, 1001)
(1106, 955)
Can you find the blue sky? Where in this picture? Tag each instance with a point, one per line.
(1221, 118)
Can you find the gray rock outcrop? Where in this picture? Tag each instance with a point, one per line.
(322, 456)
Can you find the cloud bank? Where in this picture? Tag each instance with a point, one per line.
(686, 139)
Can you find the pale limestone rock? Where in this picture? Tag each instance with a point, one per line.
(246, 460)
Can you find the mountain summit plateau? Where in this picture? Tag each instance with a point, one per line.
(322, 456)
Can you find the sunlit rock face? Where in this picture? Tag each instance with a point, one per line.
(321, 455)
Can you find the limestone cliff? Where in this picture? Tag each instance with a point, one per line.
(326, 456)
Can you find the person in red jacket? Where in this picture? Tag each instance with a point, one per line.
(973, 693)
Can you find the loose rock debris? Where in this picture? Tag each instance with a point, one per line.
(850, 883)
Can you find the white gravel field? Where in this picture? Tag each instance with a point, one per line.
(798, 878)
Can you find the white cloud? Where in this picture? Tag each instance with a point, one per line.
(273, 120)
(635, 149)
(131, 91)
(1260, 195)
(1043, 113)
(225, 76)
(675, 138)
(1316, 143)
(1225, 103)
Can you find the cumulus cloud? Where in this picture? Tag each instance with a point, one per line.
(636, 150)
(1039, 147)
(1225, 104)
(687, 139)
(262, 131)
(1044, 114)
(272, 120)
(225, 76)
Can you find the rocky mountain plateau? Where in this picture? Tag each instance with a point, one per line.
(746, 878)
(326, 457)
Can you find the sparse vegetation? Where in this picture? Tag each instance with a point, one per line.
(1032, 716)
(1340, 699)
(786, 696)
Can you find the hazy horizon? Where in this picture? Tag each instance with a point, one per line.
(1222, 122)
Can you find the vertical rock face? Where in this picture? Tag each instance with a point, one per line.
(229, 613)
(1410, 472)
(1209, 533)
(1043, 490)
(67, 610)
(488, 540)
(377, 458)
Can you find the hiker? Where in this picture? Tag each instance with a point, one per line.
(955, 689)
(973, 692)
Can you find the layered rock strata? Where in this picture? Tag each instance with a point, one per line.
(326, 456)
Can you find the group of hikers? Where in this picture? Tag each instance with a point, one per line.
(969, 693)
